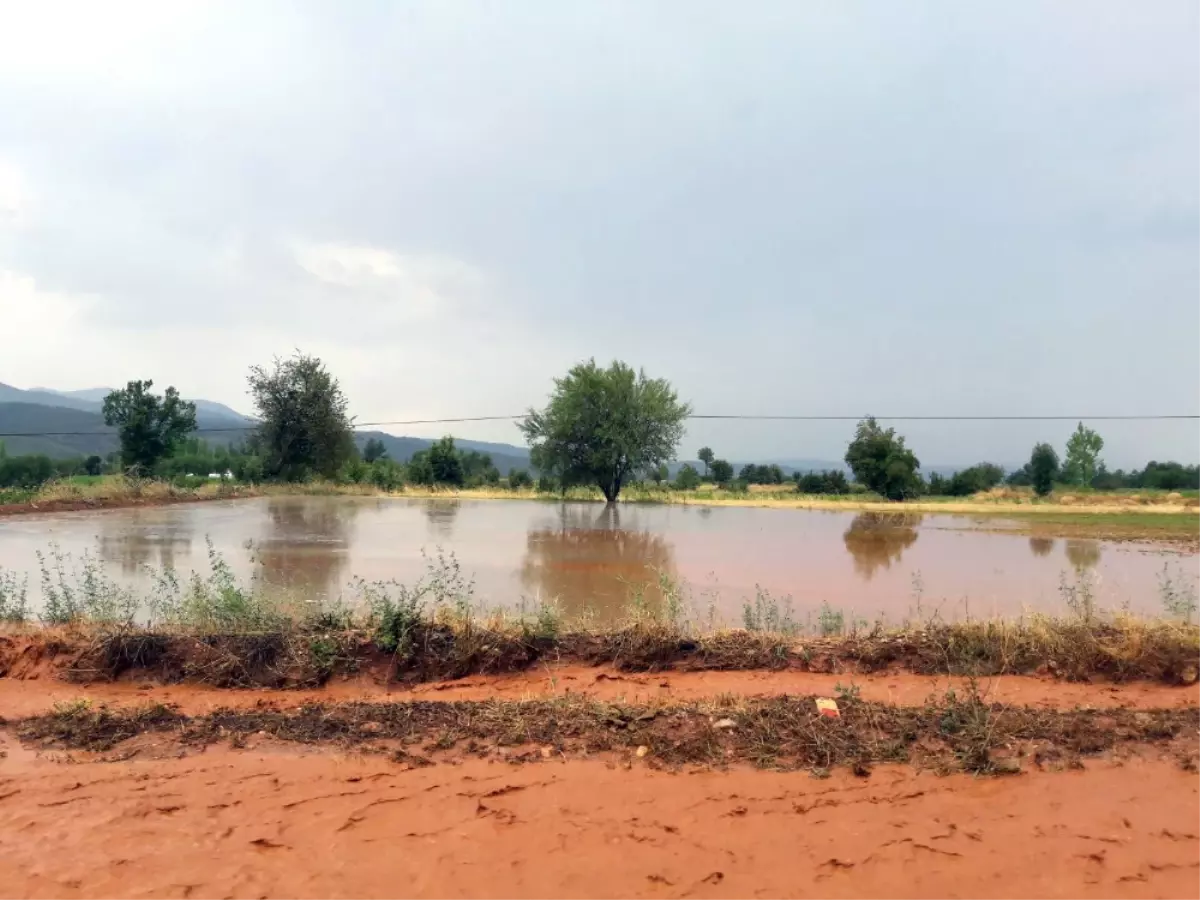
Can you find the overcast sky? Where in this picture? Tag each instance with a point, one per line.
(783, 207)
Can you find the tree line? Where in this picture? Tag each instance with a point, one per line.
(603, 427)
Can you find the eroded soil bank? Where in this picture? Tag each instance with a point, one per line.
(277, 821)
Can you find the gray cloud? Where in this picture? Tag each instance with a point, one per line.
(826, 208)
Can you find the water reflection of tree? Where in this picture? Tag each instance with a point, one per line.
(1083, 554)
(590, 564)
(1041, 546)
(876, 540)
(136, 544)
(306, 545)
(440, 514)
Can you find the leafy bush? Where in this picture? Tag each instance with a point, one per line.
(827, 482)
(721, 471)
(25, 471)
(1043, 469)
(755, 474)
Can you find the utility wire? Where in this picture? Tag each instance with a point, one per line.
(251, 427)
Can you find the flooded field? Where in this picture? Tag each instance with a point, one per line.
(595, 559)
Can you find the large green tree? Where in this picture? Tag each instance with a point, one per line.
(1083, 456)
(706, 456)
(149, 426)
(879, 460)
(305, 429)
(603, 426)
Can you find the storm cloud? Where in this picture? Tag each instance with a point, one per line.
(807, 208)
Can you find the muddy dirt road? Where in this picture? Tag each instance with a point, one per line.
(156, 815)
(37, 690)
(273, 821)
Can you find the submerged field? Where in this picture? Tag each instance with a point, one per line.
(229, 734)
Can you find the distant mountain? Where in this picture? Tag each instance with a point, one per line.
(94, 394)
(46, 410)
(98, 439)
(92, 399)
(42, 410)
(10, 394)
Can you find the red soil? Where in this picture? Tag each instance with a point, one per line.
(277, 822)
(34, 689)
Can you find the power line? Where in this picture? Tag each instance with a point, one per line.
(761, 418)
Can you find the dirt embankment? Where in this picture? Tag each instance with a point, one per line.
(309, 656)
(276, 822)
(119, 501)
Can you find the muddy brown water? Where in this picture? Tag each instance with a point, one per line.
(592, 558)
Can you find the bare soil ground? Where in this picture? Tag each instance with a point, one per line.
(23, 698)
(272, 821)
(590, 781)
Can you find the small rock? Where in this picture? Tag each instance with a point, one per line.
(371, 727)
(1007, 765)
(546, 751)
(724, 723)
(1189, 675)
(642, 751)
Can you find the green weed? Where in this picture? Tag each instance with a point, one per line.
(14, 598)
(1178, 596)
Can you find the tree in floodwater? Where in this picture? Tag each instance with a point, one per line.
(879, 460)
(150, 427)
(305, 429)
(1083, 457)
(603, 426)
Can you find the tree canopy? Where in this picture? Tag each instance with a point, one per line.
(879, 460)
(721, 471)
(1042, 468)
(373, 449)
(305, 428)
(150, 427)
(1083, 456)
(603, 426)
